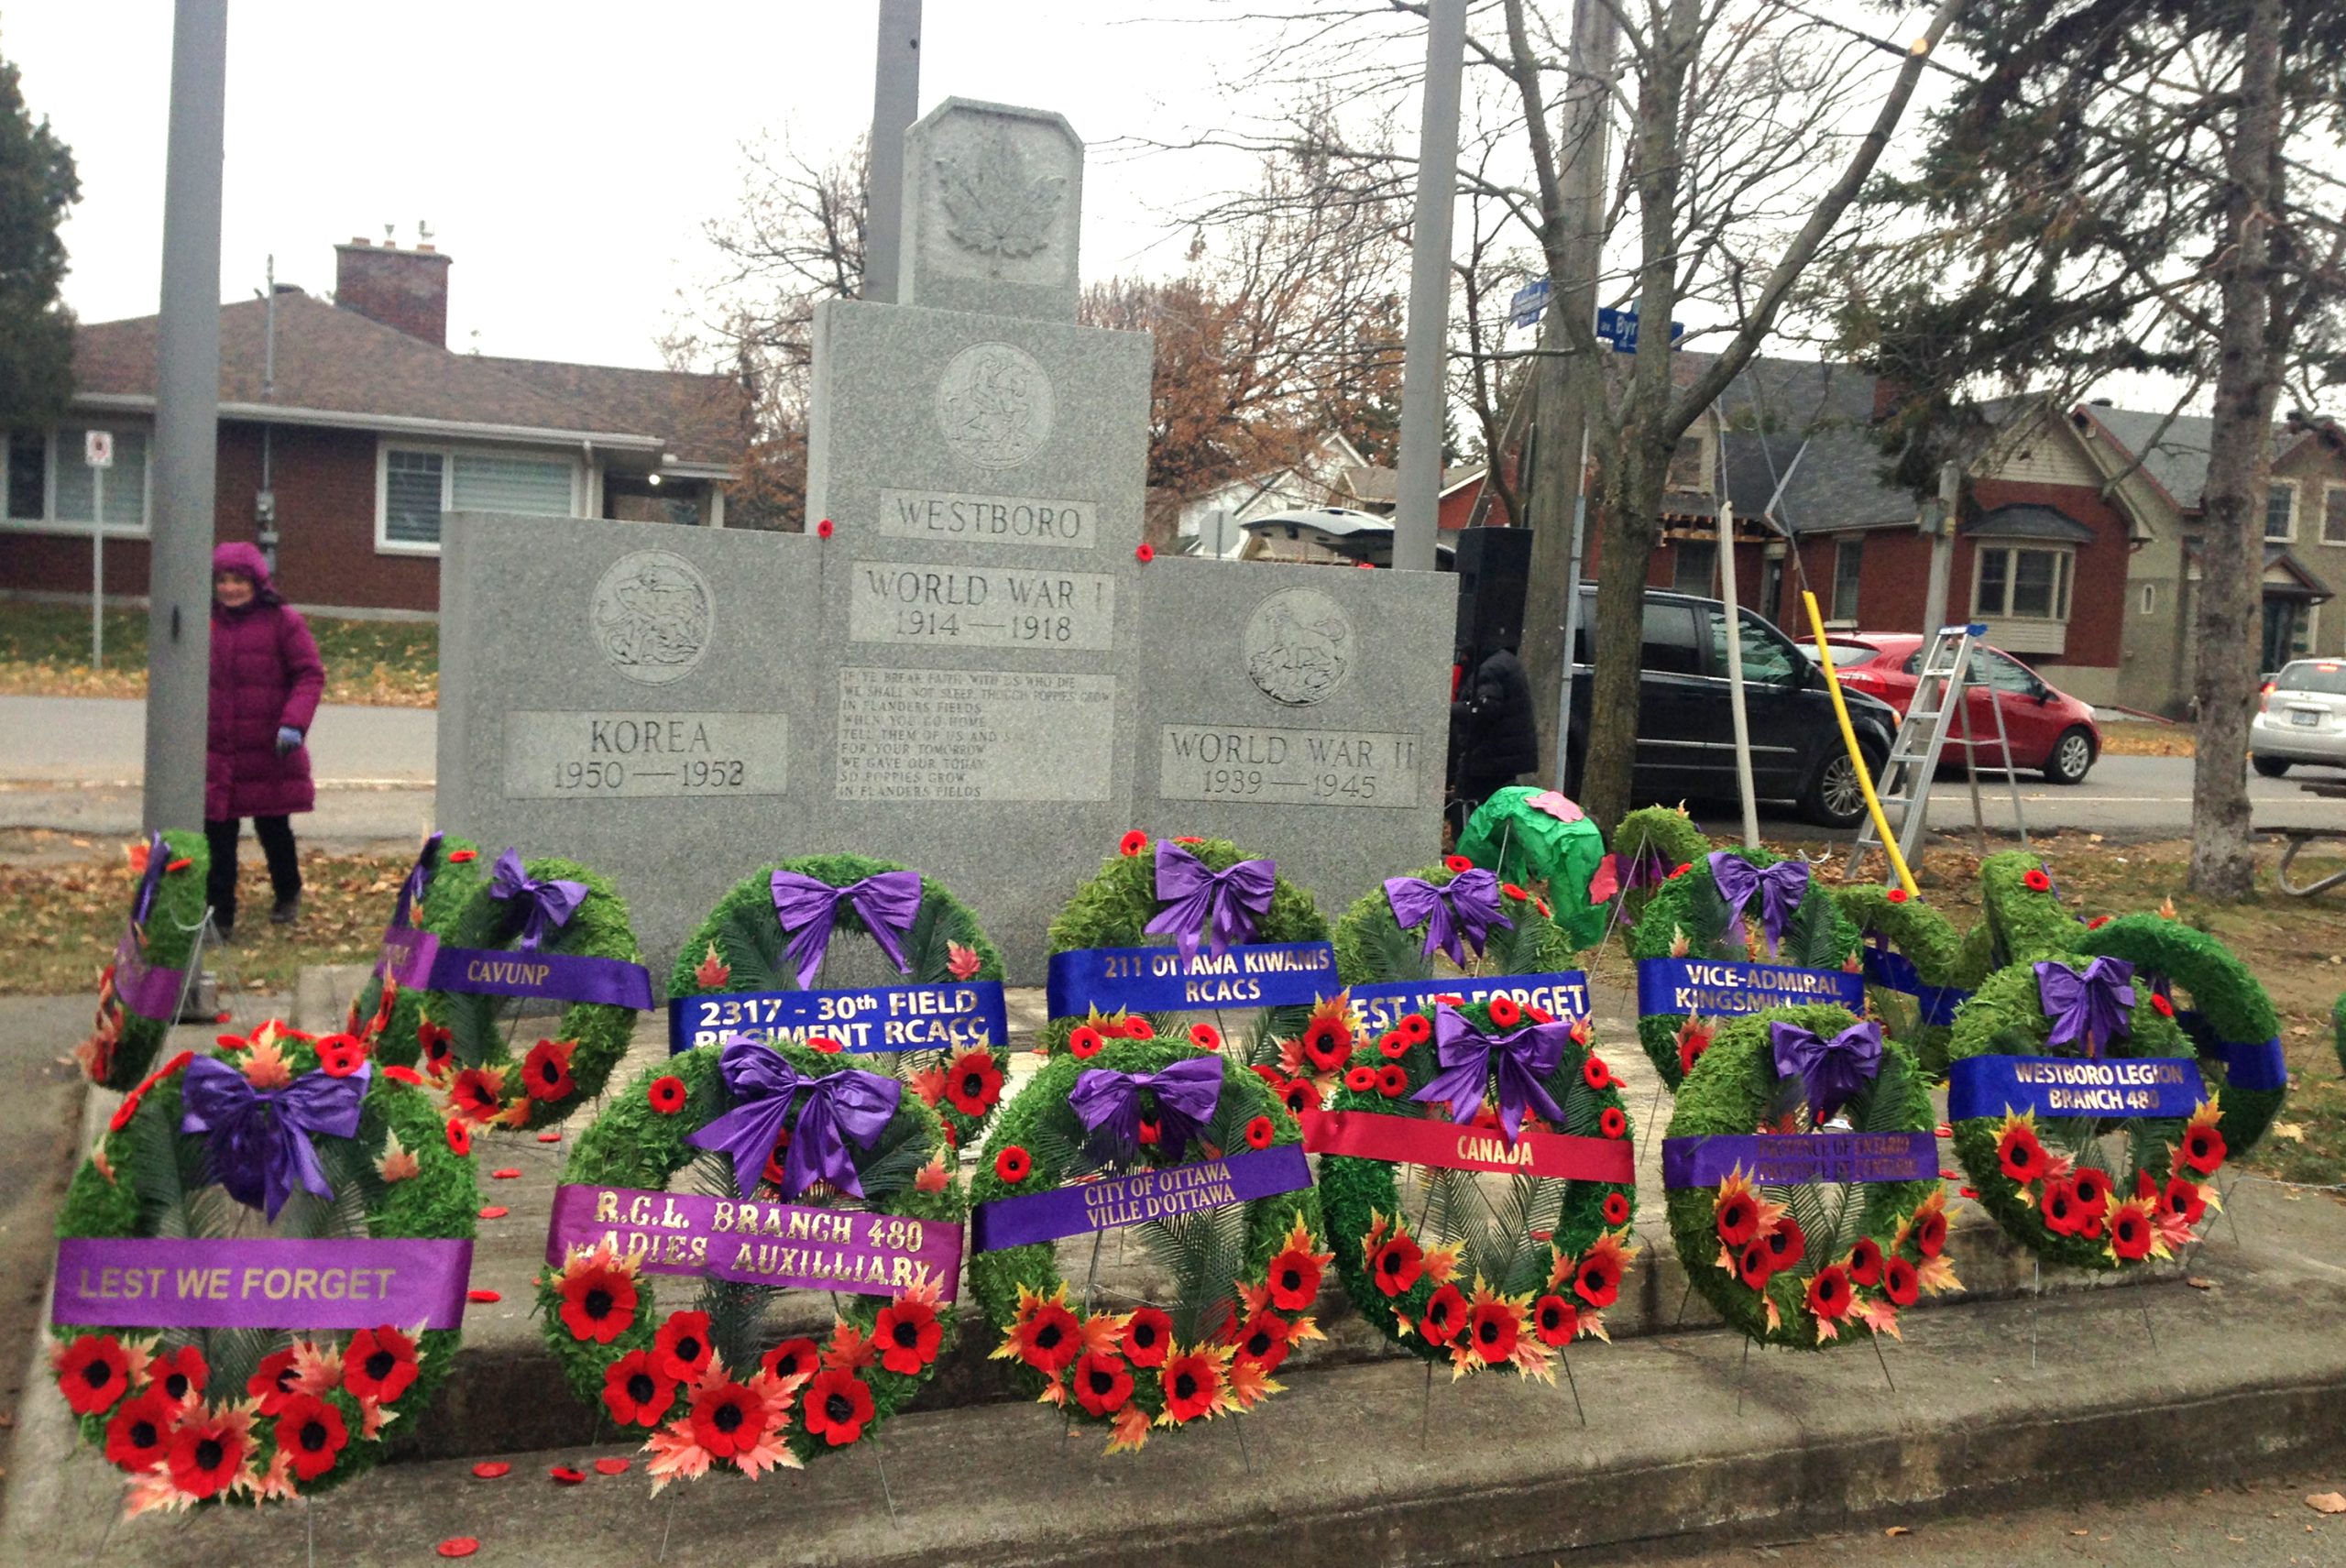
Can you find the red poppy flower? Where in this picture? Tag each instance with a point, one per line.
(1264, 1341)
(2036, 880)
(1755, 1266)
(1192, 1383)
(1617, 1209)
(1737, 1219)
(1898, 895)
(2181, 1197)
(272, 1381)
(1454, 864)
(1144, 552)
(635, 1392)
(728, 1419)
(823, 1045)
(1930, 1233)
(1205, 1037)
(837, 1407)
(1361, 1079)
(565, 1476)
(1139, 1028)
(1148, 1334)
(125, 1111)
(1259, 1132)
(1048, 1337)
(378, 1363)
(1491, 1331)
(907, 1334)
(1505, 1012)
(492, 1470)
(313, 1431)
(545, 1071)
(1416, 1028)
(1594, 1073)
(1294, 1277)
(2097, 923)
(205, 1455)
(681, 1349)
(2130, 1233)
(178, 1373)
(476, 1094)
(1597, 1280)
(2059, 1208)
(1013, 1165)
(1614, 1122)
(339, 1055)
(438, 1044)
(1299, 1095)
(137, 1435)
(1101, 1384)
(1829, 1296)
(1445, 1314)
(1786, 1244)
(773, 1173)
(1680, 869)
(1865, 1262)
(597, 1304)
(1395, 1264)
(1084, 1042)
(1131, 843)
(1554, 1320)
(1326, 1043)
(405, 1075)
(2160, 1005)
(667, 1094)
(2022, 1155)
(1392, 1080)
(2092, 1187)
(1513, 891)
(1391, 1045)
(823, 529)
(973, 1082)
(1900, 1281)
(2203, 1148)
(93, 1373)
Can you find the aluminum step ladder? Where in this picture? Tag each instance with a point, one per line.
(1947, 671)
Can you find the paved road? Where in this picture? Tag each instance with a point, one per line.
(102, 741)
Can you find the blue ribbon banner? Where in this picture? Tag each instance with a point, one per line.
(1795, 1160)
(2146, 1087)
(874, 1018)
(1563, 996)
(2248, 1064)
(1157, 980)
(1895, 971)
(1721, 988)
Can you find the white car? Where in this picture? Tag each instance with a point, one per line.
(2301, 717)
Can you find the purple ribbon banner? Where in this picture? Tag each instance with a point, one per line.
(261, 1283)
(1720, 988)
(1145, 1195)
(1795, 1159)
(151, 993)
(787, 1244)
(416, 959)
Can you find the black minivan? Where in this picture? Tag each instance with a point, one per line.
(1686, 732)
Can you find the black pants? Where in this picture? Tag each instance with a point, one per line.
(276, 835)
(1471, 793)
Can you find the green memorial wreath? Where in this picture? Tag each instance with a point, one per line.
(1929, 946)
(468, 1038)
(202, 1416)
(1372, 945)
(1478, 1282)
(2053, 1184)
(2229, 1006)
(1787, 1263)
(449, 870)
(2025, 916)
(714, 1384)
(1688, 918)
(1113, 909)
(135, 1010)
(1648, 844)
(1243, 1274)
(742, 946)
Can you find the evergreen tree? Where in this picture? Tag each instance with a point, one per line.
(37, 185)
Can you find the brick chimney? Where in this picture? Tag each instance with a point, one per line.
(407, 290)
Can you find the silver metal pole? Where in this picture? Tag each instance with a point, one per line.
(1423, 394)
(1572, 611)
(97, 568)
(187, 421)
(1734, 642)
(895, 103)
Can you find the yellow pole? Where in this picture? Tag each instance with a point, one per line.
(1856, 756)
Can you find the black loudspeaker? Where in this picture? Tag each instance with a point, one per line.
(1493, 565)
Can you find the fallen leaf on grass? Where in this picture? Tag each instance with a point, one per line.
(2327, 1502)
(1897, 1530)
(2289, 1130)
(2201, 1282)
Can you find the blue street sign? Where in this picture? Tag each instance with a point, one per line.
(1619, 328)
(1524, 309)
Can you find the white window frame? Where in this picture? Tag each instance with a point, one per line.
(49, 522)
(1846, 542)
(2328, 493)
(2290, 535)
(2026, 633)
(2149, 599)
(385, 445)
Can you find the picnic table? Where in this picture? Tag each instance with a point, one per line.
(2298, 838)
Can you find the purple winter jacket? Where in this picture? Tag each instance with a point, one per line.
(265, 672)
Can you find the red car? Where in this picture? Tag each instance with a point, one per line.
(2050, 730)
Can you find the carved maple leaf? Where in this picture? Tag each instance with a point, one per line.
(995, 208)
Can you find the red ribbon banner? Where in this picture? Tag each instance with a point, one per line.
(1428, 1140)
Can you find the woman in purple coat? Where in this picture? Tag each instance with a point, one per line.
(266, 680)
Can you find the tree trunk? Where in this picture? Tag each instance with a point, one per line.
(2240, 471)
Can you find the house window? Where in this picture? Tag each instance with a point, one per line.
(2333, 515)
(419, 483)
(1847, 557)
(2281, 511)
(48, 481)
(2022, 584)
(1692, 564)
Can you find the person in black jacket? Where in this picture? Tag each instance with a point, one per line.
(1493, 736)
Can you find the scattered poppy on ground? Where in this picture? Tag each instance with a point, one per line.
(611, 1466)
(458, 1546)
(484, 1297)
(492, 1469)
(549, 1137)
(495, 1212)
(563, 1476)
(508, 1174)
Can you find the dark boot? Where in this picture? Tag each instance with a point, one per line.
(285, 911)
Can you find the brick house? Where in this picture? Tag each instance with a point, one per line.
(347, 429)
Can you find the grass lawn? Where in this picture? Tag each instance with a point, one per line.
(45, 651)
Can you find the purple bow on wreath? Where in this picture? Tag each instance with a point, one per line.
(1831, 1073)
(260, 1137)
(1455, 916)
(418, 880)
(848, 1105)
(1108, 1104)
(550, 902)
(2095, 1007)
(1469, 1059)
(149, 880)
(1197, 901)
(1780, 888)
(808, 909)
